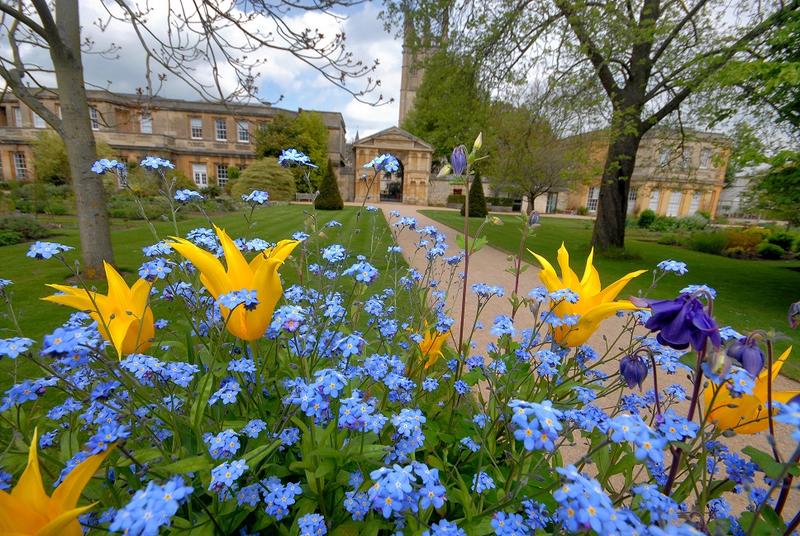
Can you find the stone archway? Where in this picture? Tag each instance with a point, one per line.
(415, 156)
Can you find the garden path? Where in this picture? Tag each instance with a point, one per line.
(489, 266)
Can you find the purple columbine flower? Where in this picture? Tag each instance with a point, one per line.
(633, 370)
(458, 160)
(748, 354)
(681, 322)
(794, 315)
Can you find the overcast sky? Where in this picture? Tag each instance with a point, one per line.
(283, 74)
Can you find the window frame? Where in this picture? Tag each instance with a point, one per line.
(222, 180)
(592, 198)
(94, 118)
(705, 158)
(20, 172)
(143, 122)
(38, 122)
(656, 199)
(240, 131)
(671, 203)
(192, 127)
(694, 204)
(217, 130)
(664, 154)
(17, 111)
(204, 174)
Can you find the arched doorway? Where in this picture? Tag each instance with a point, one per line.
(392, 185)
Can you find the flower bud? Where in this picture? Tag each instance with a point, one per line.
(495, 220)
(794, 315)
(478, 143)
(633, 370)
(458, 160)
(748, 354)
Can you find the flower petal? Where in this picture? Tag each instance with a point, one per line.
(29, 487)
(548, 274)
(569, 277)
(69, 491)
(238, 271)
(215, 278)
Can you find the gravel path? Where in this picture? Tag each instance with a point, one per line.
(489, 266)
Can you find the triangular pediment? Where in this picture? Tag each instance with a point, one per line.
(394, 136)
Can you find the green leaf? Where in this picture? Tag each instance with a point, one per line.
(478, 243)
(765, 461)
(199, 406)
(188, 465)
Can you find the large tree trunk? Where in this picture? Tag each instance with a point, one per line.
(93, 222)
(612, 207)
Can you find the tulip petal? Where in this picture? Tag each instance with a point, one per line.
(29, 487)
(589, 322)
(69, 491)
(118, 290)
(216, 279)
(118, 331)
(610, 292)
(568, 277)
(238, 270)
(66, 523)
(76, 298)
(16, 516)
(281, 251)
(269, 290)
(548, 274)
(139, 296)
(591, 279)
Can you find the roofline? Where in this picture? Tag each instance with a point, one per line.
(261, 109)
(386, 130)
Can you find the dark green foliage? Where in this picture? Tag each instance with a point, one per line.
(708, 242)
(477, 200)
(449, 108)
(25, 226)
(42, 198)
(646, 218)
(779, 191)
(782, 239)
(267, 175)
(765, 250)
(329, 197)
(8, 238)
(456, 199)
(305, 132)
(124, 206)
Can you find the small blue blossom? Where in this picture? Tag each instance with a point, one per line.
(482, 482)
(256, 197)
(675, 267)
(188, 196)
(46, 250)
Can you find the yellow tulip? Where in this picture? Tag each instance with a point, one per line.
(123, 316)
(594, 304)
(27, 510)
(748, 414)
(260, 274)
(431, 346)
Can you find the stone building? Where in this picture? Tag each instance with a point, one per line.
(202, 139)
(676, 174)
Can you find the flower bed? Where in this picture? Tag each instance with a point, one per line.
(207, 397)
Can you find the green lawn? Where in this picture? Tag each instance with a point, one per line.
(750, 294)
(272, 223)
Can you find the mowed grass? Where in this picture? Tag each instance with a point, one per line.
(30, 276)
(751, 294)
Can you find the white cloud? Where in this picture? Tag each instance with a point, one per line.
(281, 74)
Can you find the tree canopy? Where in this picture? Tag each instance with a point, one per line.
(449, 106)
(305, 132)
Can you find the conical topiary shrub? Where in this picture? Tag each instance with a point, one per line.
(329, 197)
(477, 201)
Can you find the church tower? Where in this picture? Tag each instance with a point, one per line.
(414, 56)
(410, 75)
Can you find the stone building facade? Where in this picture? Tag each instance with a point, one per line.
(676, 174)
(202, 139)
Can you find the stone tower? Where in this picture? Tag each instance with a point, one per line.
(410, 75)
(414, 55)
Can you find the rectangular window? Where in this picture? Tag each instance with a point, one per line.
(663, 156)
(17, 117)
(146, 123)
(221, 130)
(200, 175)
(243, 130)
(674, 203)
(38, 122)
(655, 195)
(631, 200)
(94, 117)
(222, 175)
(686, 158)
(694, 206)
(705, 158)
(20, 167)
(592, 199)
(197, 128)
